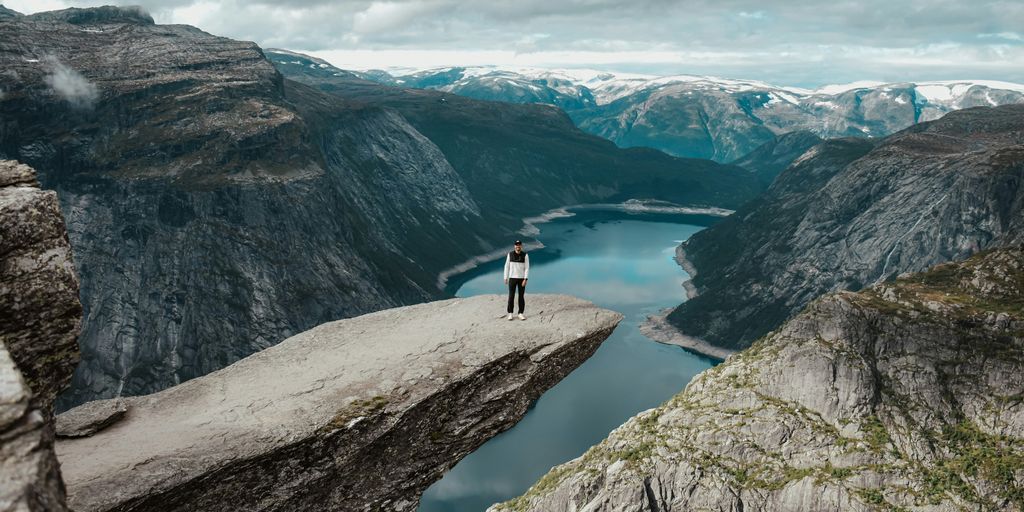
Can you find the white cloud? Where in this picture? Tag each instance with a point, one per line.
(1008, 36)
(34, 6)
(797, 43)
(70, 85)
(384, 16)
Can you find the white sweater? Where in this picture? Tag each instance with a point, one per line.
(515, 269)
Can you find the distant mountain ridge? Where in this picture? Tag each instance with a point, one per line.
(707, 117)
(854, 212)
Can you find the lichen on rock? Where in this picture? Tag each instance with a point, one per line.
(905, 396)
(39, 322)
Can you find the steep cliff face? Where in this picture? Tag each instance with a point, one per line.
(39, 321)
(217, 208)
(850, 213)
(358, 414)
(905, 396)
(174, 278)
(772, 157)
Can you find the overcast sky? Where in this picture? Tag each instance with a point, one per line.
(800, 43)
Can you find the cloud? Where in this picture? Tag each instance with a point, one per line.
(384, 16)
(70, 85)
(1006, 36)
(757, 39)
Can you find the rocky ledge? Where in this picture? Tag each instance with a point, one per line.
(357, 414)
(906, 396)
(39, 323)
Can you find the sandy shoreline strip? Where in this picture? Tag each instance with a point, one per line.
(657, 328)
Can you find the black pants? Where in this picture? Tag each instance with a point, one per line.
(513, 284)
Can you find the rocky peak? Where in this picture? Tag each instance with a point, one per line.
(97, 15)
(104, 74)
(906, 395)
(8, 13)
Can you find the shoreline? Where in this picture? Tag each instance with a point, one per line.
(530, 228)
(657, 328)
(691, 290)
(476, 261)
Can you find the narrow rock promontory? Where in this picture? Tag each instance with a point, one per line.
(357, 414)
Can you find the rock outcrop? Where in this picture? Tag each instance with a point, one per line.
(217, 208)
(358, 414)
(40, 313)
(91, 417)
(29, 473)
(850, 213)
(905, 396)
(39, 322)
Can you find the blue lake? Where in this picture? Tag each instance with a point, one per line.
(618, 261)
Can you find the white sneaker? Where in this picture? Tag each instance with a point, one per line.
(510, 316)
(521, 317)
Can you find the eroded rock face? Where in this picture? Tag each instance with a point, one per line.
(39, 321)
(358, 414)
(29, 473)
(39, 309)
(904, 396)
(850, 213)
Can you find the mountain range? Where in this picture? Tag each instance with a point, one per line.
(699, 116)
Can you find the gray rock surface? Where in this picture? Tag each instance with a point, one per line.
(39, 321)
(90, 417)
(358, 414)
(217, 208)
(905, 396)
(850, 213)
(29, 473)
(40, 313)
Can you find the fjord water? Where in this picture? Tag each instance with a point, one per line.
(616, 260)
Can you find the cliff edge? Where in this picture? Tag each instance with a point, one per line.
(357, 414)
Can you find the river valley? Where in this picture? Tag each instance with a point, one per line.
(619, 261)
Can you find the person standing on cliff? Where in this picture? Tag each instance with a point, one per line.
(517, 271)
